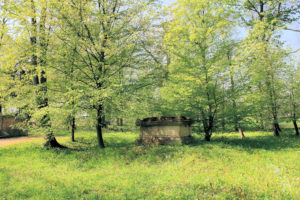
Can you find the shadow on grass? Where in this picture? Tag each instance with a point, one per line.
(255, 142)
(123, 147)
(251, 143)
(115, 142)
(117, 149)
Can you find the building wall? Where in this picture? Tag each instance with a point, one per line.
(9, 123)
(8, 127)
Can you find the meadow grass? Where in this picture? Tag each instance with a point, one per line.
(259, 167)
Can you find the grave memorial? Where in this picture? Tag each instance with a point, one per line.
(164, 130)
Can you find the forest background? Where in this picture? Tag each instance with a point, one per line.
(112, 61)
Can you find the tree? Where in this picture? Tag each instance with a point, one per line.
(236, 80)
(293, 94)
(65, 91)
(41, 61)
(103, 34)
(260, 48)
(3, 37)
(25, 64)
(195, 38)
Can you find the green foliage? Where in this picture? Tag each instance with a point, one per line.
(196, 38)
(292, 90)
(263, 59)
(131, 59)
(91, 54)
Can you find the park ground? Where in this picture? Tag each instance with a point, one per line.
(259, 167)
(16, 140)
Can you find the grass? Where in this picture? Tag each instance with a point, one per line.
(259, 167)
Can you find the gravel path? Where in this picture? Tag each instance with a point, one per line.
(9, 141)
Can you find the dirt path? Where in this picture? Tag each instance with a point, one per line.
(9, 141)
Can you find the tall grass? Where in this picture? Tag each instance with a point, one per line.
(259, 167)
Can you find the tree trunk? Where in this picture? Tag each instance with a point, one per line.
(99, 127)
(208, 126)
(42, 99)
(73, 127)
(121, 124)
(0, 118)
(241, 133)
(120, 121)
(207, 137)
(276, 130)
(296, 127)
(42, 96)
(273, 103)
(51, 141)
(278, 127)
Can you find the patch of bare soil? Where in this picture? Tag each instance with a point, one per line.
(9, 141)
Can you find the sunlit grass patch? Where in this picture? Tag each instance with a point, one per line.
(259, 167)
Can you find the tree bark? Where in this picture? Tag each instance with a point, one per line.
(272, 96)
(73, 127)
(208, 126)
(99, 126)
(0, 117)
(51, 141)
(275, 129)
(278, 127)
(296, 127)
(120, 121)
(33, 41)
(207, 137)
(241, 133)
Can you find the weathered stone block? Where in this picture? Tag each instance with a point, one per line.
(165, 130)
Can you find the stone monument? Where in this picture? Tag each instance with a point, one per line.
(165, 130)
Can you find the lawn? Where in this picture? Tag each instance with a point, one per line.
(259, 167)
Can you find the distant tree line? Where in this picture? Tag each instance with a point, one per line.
(127, 59)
